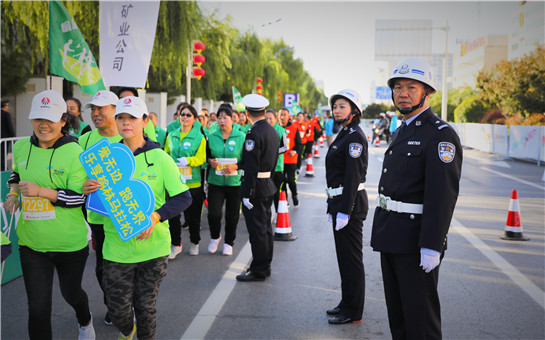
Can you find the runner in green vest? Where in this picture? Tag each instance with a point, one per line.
(278, 177)
(160, 134)
(79, 127)
(48, 176)
(134, 270)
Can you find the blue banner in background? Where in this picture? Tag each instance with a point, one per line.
(128, 202)
(383, 92)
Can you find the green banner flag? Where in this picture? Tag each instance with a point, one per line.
(69, 54)
(237, 99)
(295, 108)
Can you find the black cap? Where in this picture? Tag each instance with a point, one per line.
(5, 102)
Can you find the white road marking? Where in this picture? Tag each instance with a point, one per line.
(513, 178)
(508, 269)
(209, 311)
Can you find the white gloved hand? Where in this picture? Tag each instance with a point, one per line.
(342, 221)
(429, 259)
(182, 161)
(247, 203)
(329, 218)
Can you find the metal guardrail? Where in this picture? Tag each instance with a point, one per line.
(6, 149)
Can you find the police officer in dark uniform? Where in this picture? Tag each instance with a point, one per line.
(347, 205)
(418, 190)
(259, 158)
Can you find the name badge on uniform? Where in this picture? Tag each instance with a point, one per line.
(37, 209)
(355, 149)
(446, 151)
(249, 145)
(186, 171)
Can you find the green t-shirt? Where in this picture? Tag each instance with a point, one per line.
(150, 131)
(163, 174)
(86, 141)
(58, 168)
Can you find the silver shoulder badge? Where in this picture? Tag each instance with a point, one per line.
(447, 151)
(249, 145)
(355, 149)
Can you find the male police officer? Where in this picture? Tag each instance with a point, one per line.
(418, 190)
(259, 158)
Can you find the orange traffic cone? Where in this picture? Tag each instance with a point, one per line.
(316, 152)
(377, 141)
(310, 169)
(513, 226)
(282, 232)
(369, 139)
(322, 141)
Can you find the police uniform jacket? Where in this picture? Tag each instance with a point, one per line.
(346, 166)
(423, 166)
(259, 155)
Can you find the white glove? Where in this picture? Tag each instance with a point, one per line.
(429, 259)
(182, 161)
(342, 221)
(247, 203)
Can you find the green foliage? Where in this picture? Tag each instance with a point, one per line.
(470, 110)
(517, 86)
(232, 58)
(455, 97)
(373, 110)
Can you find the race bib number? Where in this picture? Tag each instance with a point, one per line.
(186, 171)
(37, 209)
(222, 162)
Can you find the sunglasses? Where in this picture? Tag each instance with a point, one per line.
(186, 115)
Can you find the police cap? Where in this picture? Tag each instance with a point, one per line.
(255, 102)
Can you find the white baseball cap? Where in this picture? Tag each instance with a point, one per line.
(131, 105)
(102, 98)
(48, 105)
(255, 102)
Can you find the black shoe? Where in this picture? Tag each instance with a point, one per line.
(334, 311)
(295, 200)
(107, 320)
(341, 319)
(249, 277)
(185, 225)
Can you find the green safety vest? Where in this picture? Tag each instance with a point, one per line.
(228, 148)
(187, 147)
(280, 163)
(161, 136)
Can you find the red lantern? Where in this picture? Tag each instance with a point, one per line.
(199, 46)
(198, 72)
(199, 59)
(259, 80)
(259, 87)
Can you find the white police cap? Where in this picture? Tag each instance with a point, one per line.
(255, 102)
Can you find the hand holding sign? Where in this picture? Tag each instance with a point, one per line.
(129, 202)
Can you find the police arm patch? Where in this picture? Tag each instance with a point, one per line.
(249, 145)
(447, 151)
(355, 149)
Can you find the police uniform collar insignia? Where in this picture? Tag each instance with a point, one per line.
(249, 144)
(418, 123)
(352, 130)
(446, 151)
(355, 149)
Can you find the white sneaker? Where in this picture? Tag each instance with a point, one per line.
(193, 249)
(87, 332)
(174, 250)
(213, 246)
(227, 250)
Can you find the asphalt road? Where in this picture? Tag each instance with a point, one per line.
(490, 288)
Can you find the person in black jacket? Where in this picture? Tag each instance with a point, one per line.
(259, 158)
(417, 190)
(347, 205)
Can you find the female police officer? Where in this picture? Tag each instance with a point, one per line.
(347, 203)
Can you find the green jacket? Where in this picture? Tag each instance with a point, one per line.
(228, 148)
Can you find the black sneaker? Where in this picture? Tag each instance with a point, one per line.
(107, 320)
(295, 201)
(185, 225)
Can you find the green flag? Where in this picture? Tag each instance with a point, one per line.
(295, 108)
(237, 99)
(69, 54)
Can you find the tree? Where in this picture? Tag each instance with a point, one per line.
(373, 110)
(516, 87)
(470, 110)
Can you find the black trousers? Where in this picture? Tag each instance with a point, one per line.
(349, 248)
(290, 179)
(258, 222)
(192, 217)
(414, 311)
(278, 179)
(217, 195)
(98, 237)
(308, 149)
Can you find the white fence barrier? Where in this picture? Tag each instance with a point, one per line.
(516, 141)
